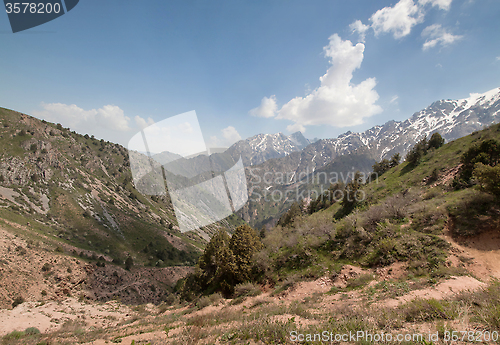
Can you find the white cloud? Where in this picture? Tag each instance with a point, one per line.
(141, 123)
(438, 35)
(398, 20)
(296, 127)
(442, 4)
(498, 58)
(185, 128)
(359, 28)
(337, 102)
(109, 117)
(394, 99)
(267, 108)
(229, 136)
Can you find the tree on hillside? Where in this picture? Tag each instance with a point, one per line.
(328, 198)
(129, 263)
(420, 149)
(244, 244)
(352, 193)
(217, 264)
(381, 167)
(293, 212)
(487, 153)
(436, 141)
(488, 178)
(417, 152)
(395, 160)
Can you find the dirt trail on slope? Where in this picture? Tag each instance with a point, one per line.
(480, 254)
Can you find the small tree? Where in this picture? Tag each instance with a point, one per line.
(352, 193)
(381, 167)
(289, 217)
(488, 178)
(129, 263)
(262, 233)
(395, 160)
(436, 141)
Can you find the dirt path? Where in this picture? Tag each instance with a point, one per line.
(481, 253)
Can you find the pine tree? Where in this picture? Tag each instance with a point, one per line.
(351, 193)
(436, 141)
(244, 244)
(217, 264)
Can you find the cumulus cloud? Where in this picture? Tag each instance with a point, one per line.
(398, 20)
(296, 127)
(436, 34)
(229, 136)
(442, 4)
(267, 108)
(337, 102)
(109, 117)
(108, 122)
(142, 123)
(359, 28)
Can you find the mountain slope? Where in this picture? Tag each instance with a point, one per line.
(78, 191)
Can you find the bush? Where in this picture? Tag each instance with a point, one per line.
(17, 301)
(246, 289)
(473, 214)
(436, 141)
(13, 335)
(487, 153)
(360, 281)
(488, 178)
(205, 301)
(31, 331)
(129, 263)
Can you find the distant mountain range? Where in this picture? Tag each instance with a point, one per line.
(451, 118)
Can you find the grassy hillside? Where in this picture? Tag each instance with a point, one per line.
(75, 193)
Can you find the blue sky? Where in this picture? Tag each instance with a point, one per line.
(246, 67)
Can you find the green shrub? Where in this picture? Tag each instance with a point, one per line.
(13, 335)
(473, 214)
(205, 301)
(32, 331)
(247, 289)
(360, 281)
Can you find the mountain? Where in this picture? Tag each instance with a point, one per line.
(165, 157)
(451, 118)
(259, 148)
